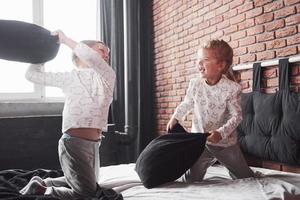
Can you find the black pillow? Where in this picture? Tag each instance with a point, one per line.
(169, 156)
(25, 42)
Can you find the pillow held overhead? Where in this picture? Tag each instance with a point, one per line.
(26, 42)
(169, 156)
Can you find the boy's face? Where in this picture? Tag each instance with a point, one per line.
(208, 64)
(102, 50)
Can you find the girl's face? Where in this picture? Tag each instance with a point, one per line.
(102, 50)
(210, 68)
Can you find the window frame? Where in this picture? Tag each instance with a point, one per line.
(35, 103)
(38, 94)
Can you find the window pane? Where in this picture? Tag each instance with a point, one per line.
(12, 73)
(77, 19)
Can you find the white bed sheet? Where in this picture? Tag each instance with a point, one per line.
(217, 185)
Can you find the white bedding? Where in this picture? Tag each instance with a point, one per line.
(273, 185)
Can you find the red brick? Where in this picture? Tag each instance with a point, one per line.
(266, 55)
(234, 44)
(265, 37)
(294, 19)
(222, 9)
(255, 30)
(274, 25)
(271, 90)
(216, 20)
(286, 32)
(224, 24)
(218, 34)
(247, 58)
(230, 29)
(236, 60)
(240, 51)
(298, 8)
(208, 2)
(247, 41)
(295, 80)
(210, 29)
(230, 14)
(288, 51)
(202, 11)
(248, 90)
(215, 5)
(244, 84)
(284, 12)
(209, 15)
(293, 40)
(272, 82)
(294, 88)
(247, 24)
(268, 17)
(247, 75)
(295, 71)
(226, 1)
(254, 12)
(273, 6)
(204, 25)
(237, 19)
(269, 72)
(197, 20)
(258, 3)
(245, 7)
(258, 47)
(290, 2)
(238, 35)
(236, 3)
(275, 44)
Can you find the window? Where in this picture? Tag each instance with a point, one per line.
(78, 19)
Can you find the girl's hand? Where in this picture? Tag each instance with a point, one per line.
(171, 123)
(214, 137)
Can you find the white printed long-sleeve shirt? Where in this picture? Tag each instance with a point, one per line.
(88, 91)
(215, 107)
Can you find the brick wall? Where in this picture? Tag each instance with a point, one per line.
(257, 30)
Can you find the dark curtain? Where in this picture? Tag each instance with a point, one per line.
(111, 33)
(126, 26)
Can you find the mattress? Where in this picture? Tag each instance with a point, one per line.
(217, 185)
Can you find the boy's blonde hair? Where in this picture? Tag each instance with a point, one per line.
(89, 43)
(224, 52)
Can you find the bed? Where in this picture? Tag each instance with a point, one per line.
(269, 131)
(217, 185)
(270, 184)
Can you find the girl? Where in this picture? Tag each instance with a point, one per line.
(215, 102)
(88, 93)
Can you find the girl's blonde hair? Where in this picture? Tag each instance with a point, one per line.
(90, 43)
(224, 53)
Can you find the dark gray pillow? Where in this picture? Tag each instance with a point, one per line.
(26, 42)
(169, 156)
(270, 127)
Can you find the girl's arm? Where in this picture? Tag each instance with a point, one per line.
(35, 74)
(188, 103)
(235, 110)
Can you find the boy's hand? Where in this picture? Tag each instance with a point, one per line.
(214, 137)
(171, 123)
(61, 36)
